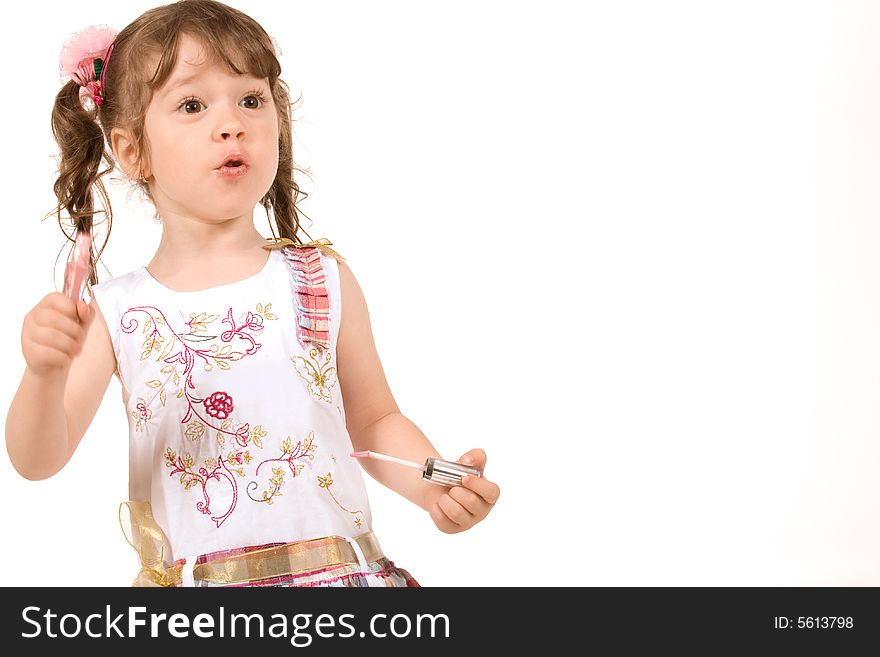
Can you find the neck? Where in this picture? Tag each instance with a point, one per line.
(193, 240)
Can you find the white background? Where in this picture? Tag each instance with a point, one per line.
(626, 248)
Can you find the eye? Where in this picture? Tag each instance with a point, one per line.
(188, 102)
(192, 101)
(259, 96)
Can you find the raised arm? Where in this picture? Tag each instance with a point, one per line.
(70, 361)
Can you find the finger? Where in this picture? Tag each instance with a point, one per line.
(475, 457)
(51, 359)
(68, 345)
(440, 519)
(56, 320)
(56, 340)
(63, 304)
(471, 501)
(486, 489)
(455, 511)
(75, 309)
(443, 523)
(83, 312)
(87, 316)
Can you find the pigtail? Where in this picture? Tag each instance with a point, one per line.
(81, 144)
(281, 199)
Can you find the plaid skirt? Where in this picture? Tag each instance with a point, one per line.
(354, 561)
(329, 561)
(378, 573)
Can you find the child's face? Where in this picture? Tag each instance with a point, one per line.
(193, 127)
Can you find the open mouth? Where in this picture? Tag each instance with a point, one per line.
(233, 168)
(236, 164)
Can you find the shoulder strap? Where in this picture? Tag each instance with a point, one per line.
(323, 244)
(310, 298)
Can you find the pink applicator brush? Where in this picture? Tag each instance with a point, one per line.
(438, 471)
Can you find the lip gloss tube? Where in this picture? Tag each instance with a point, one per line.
(447, 473)
(77, 271)
(437, 471)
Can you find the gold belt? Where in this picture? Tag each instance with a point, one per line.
(229, 567)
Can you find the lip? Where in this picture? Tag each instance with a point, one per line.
(232, 172)
(234, 155)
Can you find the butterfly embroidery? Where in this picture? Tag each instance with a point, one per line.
(320, 376)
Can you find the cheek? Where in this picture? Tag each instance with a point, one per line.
(274, 158)
(274, 140)
(171, 153)
(272, 146)
(161, 144)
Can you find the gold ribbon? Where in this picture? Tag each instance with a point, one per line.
(323, 244)
(288, 559)
(150, 542)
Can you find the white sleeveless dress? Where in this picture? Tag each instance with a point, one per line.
(237, 431)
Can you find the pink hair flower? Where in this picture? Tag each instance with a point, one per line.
(84, 59)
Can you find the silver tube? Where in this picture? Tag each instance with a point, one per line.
(447, 473)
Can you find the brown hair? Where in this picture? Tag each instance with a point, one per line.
(83, 133)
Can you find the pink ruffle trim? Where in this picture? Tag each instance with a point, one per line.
(310, 296)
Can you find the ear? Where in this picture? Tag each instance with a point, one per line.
(126, 153)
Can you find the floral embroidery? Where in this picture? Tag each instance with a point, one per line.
(325, 483)
(296, 457)
(194, 431)
(257, 434)
(239, 458)
(215, 343)
(232, 458)
(185, 464)
(219, 404)
(319, 376)
(264, 311)
(141, 412)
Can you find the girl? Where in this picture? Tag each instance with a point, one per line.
(234, 354)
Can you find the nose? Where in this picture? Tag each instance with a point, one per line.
(229, 125)
(228, 131)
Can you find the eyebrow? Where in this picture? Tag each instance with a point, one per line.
(186, 80)
(182, 81)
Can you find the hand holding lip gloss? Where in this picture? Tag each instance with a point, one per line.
(50, 341)
(438, 471)
(77, 272)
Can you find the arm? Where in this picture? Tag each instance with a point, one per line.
(395, 434)
(372, 417)
(36, 426)
(50, 413)
(375, 423)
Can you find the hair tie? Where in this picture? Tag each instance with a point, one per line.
(84, 58)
